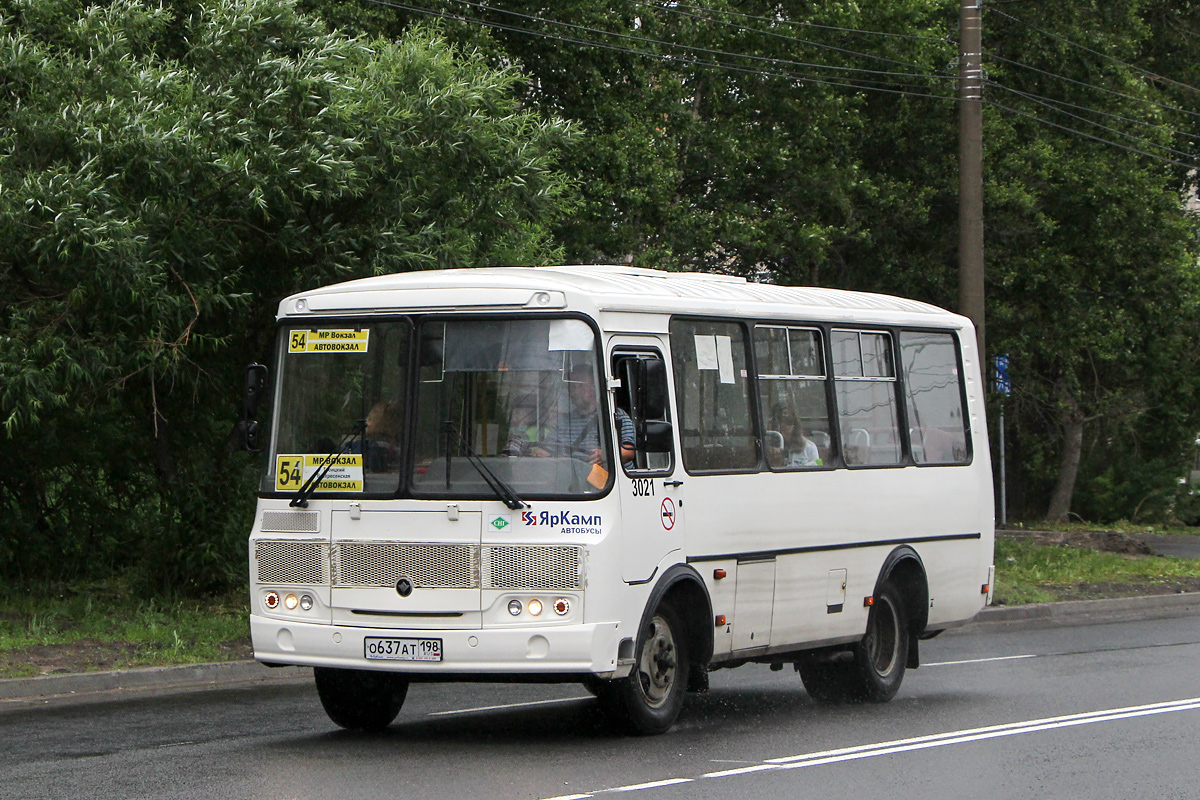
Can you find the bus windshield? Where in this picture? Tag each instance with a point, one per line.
(342, 387)
(446, 408)
(519, 399)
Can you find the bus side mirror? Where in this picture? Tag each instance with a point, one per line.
(248, 427)
(657, 437)
(652, 388)
(654, 434)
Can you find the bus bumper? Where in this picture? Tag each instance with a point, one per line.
(500, 652)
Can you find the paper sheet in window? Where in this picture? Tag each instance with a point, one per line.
(706, 351)
(570, 334)
(725, 358)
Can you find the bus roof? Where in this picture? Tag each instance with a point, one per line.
(605, 288)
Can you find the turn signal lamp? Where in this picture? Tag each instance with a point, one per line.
(868, 602)
(271, 600)
(561, 606)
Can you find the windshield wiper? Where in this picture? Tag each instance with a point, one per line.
(498, 486)
(310, 485)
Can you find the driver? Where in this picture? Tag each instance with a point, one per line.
(578, 431)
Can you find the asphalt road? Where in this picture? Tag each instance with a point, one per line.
(1099, 711)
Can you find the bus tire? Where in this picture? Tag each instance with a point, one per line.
(360, 700)
(876, 669)
(648, 701)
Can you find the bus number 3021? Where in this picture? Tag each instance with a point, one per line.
(643, 487)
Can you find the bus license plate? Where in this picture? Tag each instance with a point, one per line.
(403, 649)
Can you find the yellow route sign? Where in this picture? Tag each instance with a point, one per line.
(345, 473)
(338, 340)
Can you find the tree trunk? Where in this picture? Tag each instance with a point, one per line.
(1068, 466)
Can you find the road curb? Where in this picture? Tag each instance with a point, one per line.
(1116, 609)
(231, 674)
(187, 677)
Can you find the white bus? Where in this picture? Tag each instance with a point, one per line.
(615, 476)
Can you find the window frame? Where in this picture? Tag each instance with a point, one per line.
(968, 430)
(621, 353)
(826, 379)
(896, 380)
(745, 324)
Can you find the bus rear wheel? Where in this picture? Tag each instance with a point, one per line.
(360, 700)
(875, 669)
(648, 701)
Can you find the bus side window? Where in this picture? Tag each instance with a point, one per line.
(792, 397)
(933, 395)
(865, 383)
(643, 396)
(713, 393)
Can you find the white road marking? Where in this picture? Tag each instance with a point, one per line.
(651, 785)
(919, 743)
(977, 734)
(529, 704)
(977, 660)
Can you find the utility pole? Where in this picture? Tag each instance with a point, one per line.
(970, 168)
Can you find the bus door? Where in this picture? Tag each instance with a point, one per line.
(649, 492)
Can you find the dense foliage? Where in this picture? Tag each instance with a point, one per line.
(167, 173)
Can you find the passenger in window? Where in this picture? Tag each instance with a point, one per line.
(798, 449)
(382, 429)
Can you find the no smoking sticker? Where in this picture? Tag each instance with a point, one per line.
(668, 513)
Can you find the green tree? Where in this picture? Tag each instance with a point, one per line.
(166, 175)
(1093, 281)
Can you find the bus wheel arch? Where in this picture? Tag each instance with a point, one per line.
(683, 588)
(673, 645)
(905, 570)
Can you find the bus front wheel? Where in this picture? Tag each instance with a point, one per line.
(649, 700)
(360, 700)
(875, 669)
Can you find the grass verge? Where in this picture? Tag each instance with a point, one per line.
(1029, 572)
(48, 629)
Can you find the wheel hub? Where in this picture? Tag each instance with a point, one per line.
(659, 663)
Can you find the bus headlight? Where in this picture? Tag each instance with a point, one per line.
(535, 607)
(306, 602)
(514, 607)
(290, 602)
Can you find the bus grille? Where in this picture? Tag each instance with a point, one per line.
(292, 562)
(291, 521)
(519, 567)
(428, 566)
